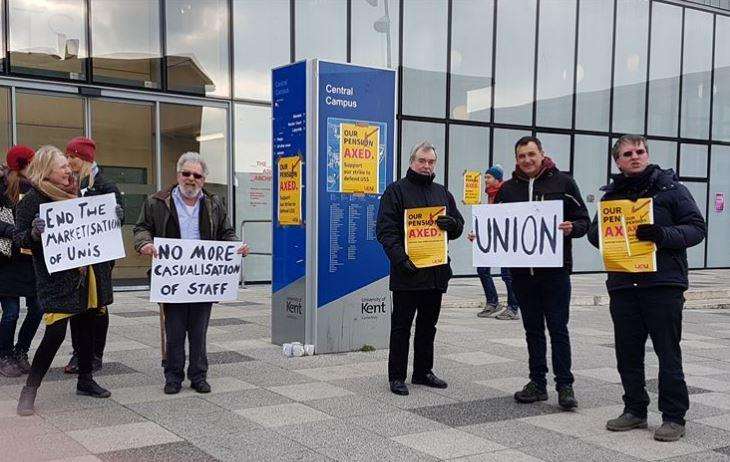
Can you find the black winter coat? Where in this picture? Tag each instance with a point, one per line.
(17, 277)
(413, 191)
(550, 184)
(674, 210)
(64, 291)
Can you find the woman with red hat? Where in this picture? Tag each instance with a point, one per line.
(81, 154)
(17, 276)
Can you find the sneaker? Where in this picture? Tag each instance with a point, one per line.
(489, 311)
(566, 398)
(531, 393)
(21, 359)
(669, 431)
(508, 315)
(626, 421)
(9, 368)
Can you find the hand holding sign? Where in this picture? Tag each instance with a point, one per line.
(566, 227)
(243, 250)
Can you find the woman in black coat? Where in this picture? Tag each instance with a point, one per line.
(17, 277)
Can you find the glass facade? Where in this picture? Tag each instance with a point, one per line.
(150, 79)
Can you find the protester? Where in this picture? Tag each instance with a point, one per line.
(415, 289)
(65, 296)
(650, 304)
(17, 277)
(185, 211)
(493, 183)
(80, 153)
(544, 293)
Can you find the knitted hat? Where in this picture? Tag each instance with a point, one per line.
(496, 171)
(19, 157)
(81, 147)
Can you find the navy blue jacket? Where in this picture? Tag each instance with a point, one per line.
(675, 211)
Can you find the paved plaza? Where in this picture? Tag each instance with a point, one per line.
(338, 407)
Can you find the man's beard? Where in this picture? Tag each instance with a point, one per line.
(191, 192)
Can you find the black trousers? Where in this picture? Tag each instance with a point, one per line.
(101, 327)
(191, 320)
(545, 299)
(427, 303)
(51, 342)
(654, 312)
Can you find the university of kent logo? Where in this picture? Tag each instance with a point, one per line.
(293, 307)
(371, 307)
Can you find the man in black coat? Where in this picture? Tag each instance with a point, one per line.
(650, 304)
(415, 289)
(544, 293)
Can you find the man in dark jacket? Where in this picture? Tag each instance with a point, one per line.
(185, 211)
(650, 304)
(544, 293)
(415, 289)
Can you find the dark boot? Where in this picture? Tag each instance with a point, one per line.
(8, 367)
(26, 401)
(86, 386)
(531, 393)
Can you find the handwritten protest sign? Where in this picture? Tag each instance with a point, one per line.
(290, 191)
(518, 234)
(620, 249)
(472, 187)
(80, 232)
(426, 243)
(359, 158)
(190, 271)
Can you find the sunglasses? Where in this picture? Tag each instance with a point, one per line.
(187, 174)
(638, 152)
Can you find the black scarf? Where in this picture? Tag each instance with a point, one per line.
(417, 178)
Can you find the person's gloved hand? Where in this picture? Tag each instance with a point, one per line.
(408, 267)
(447, 223)
(38, 225)
(651, 233)
(120, 212)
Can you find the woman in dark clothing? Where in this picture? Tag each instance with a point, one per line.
(66, 296)
(17, 277)
(81, 153)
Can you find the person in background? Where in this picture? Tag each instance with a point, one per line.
(81, 153)
(493, 183)
(17, 276)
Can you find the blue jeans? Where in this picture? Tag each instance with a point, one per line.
(491, 292)
(9, 320)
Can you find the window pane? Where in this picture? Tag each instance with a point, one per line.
(126, 42)
(48, 38)
(253, 187)
(198, 129)
(696, 74)
(5, 119)
(663, 153)
(374, 33)
(415, 132)
(557, 147)
(125, 150)
(260, 42)
(515, 66)
(589, 171)
(503, 151)
(468, 150)
(44, 119)
(471, 60)
(556, 53)
(593, 73)
(696, 254)
(424, 57)
(693, 160)
(629, 95)
(721, 101)
(718, 253)
(197, 46)
(321, 29)
(664, 69)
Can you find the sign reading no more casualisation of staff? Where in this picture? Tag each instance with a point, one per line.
(518, 234)
(81, 232)
(191, 271)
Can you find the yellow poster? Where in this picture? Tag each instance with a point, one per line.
(359, 157)
(425, 242)
(472, 187)
(290, 191)
(621, 251)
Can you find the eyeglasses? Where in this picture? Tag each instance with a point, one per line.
(638, 152)
(187, 174)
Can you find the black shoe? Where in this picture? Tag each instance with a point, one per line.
(566, 398)
(531, 393)
(86, 386)
(201, 386)
(626, 421)
(73, 365)
(172, 388)
(429, 380)
(399, 387)
(21, 359)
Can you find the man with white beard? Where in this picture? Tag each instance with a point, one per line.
(185, 211)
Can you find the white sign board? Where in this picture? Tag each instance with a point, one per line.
(80, 232)
(192, 271)
(518, 234)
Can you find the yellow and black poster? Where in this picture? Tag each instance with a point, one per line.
(290, 191)
(621, 250)
(359, 158)
(472, 187)
(426, 243)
